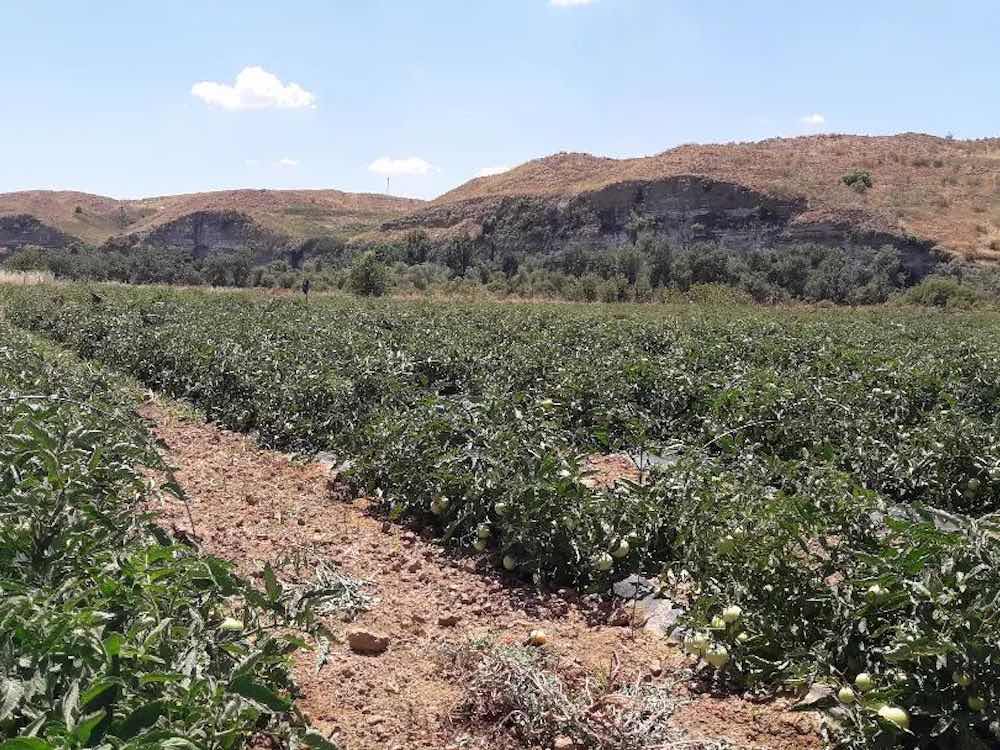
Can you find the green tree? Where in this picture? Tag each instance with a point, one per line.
(368, 277)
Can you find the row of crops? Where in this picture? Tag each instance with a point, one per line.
(824, 483)
(111, 636)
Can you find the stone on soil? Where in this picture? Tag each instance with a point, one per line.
(367, 642)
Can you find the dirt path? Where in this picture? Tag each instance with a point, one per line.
(250, 506)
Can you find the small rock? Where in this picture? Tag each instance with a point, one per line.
(448, 620)
(414, 566)
(661, 615)
(634, 587)
(656, 668)
(367, 642)
(563, 743)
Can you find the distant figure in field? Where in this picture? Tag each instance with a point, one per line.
(305, 288)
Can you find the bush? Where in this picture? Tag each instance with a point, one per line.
(368, 277)
(938, 291)
(859, 180)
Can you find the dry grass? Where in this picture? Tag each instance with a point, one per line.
(296, 213)
(25, 278)
(516, 694)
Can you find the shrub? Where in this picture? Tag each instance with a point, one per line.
(368, 277)
(938, 291)
(859, 180)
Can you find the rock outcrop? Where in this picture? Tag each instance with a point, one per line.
(688, 209)
(204, 232)
(21, 230)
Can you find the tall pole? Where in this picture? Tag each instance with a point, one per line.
(387, 184)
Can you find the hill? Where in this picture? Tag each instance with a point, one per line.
(49, 218)
(928, 196)
(935, 192)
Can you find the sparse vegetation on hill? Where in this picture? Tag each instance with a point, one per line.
(913, 191)
(294, 214)
(935, 189)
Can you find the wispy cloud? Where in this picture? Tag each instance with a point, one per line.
(570, 3)
(814, 120)
(286, 162)
(490, 171)
(411, 166)
(254, 88)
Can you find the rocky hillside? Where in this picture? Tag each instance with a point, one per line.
(261, 219)
(928, 196)
(926, 193)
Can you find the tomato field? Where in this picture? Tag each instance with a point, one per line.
(823, 483)
(111, 635)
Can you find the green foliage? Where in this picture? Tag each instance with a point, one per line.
(858, 180)
(833, 582)
(368, 277)
(940, 291)
(110, 635)
(839, 449)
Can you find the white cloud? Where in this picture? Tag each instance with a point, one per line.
(286, 162)
(570, 3)
(814, 120)
(254, 88)
(490, 171)
(398, 167)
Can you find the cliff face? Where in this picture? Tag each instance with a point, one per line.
(205, 232)
(21, 230)
(268, 222)
(687, 209)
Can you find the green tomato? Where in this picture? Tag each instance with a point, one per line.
(864, 682)
(480, 544)
(697, 644)
(743, 637)
(231, 625)
(509, 562)
(731, 614)
(621, 550)
(603, 562)
(846, 696)
(976, 703)
(895, 715)
(501, 508)
(717, 656)
(717, 623)
(962, 679)
(483, 531)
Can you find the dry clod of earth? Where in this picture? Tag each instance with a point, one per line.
(366, 642)
(246, 503)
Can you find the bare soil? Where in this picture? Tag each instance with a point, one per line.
(251, 506)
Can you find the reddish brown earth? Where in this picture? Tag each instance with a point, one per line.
(250, 506)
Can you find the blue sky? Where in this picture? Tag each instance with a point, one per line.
(104, 96)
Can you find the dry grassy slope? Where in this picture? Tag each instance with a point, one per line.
(943, 190)
(295, 213)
